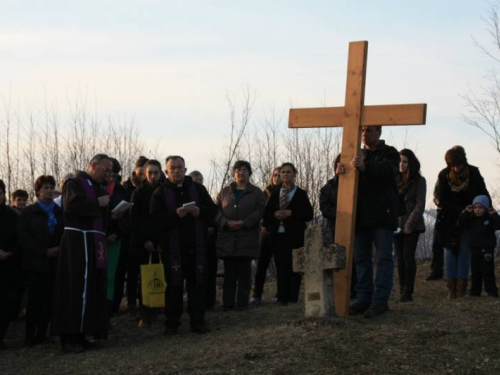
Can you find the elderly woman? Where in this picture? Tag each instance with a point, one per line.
(39, 234)
(286, 215)
(412, 189)
(9, 266)
(241, 206)
(266, 249)
(458, 184)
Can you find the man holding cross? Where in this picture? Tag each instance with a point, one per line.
(353, 117)
(376, 221)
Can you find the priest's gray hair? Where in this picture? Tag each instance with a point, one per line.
(99, 158)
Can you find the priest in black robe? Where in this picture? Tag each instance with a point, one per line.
(80, 293)
(182, 210)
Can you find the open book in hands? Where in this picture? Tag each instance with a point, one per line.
(121, 207)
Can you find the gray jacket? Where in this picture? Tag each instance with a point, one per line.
(249, 209)
(413, 220)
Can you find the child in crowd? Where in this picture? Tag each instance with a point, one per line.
(481, 221)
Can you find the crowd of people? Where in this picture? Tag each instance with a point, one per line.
(71, 254)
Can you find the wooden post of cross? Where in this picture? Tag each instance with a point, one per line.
(351, 117)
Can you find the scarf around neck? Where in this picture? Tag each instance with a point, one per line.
(48, 208)
(459, 181)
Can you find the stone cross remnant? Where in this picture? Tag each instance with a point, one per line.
(317, 260)
(351, 117)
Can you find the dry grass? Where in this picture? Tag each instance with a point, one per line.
(429, 336)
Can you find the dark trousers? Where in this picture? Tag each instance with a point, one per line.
(10, 301)
(405, 247)
(266, 254)
(40, 288)
(237, 281)
(196, 291)
(483, 269)
(288, 281)
(133, 272)
(211, 274)
(369, 289)
(121, 272)
(437, 263)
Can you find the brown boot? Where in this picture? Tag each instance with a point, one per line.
(132, 313)
(452, 288)
(145, 318)
(461, 287)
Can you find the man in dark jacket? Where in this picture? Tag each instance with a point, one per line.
(182, 210)
(212, 262)
(128, 264)
(376, 221)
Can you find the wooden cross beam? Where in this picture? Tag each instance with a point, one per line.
(351, 117)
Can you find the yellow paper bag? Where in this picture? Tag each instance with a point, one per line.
(153, 284)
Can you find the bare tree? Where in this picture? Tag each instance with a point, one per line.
(484, 106)
(270, 143)
(239, 119)
(41, 140)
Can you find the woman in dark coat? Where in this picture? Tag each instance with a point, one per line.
(286, 215)
(241, 206)
(141, 240)
(9, 266)
(412, 189)
(39, 233)
(458, 184)
(266, 249)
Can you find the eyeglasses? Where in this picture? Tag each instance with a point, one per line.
(106, 170)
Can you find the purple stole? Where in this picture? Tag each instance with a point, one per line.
(174, 242)
(100, 240)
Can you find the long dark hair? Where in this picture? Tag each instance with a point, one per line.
(413, 169)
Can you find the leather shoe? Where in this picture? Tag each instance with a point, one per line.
(433, 276)
(200, 328)
(358, 308)
(71, 347)
(376, 309)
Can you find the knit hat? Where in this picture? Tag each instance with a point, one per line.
(483, 200)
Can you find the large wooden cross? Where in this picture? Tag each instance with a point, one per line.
(351, 117)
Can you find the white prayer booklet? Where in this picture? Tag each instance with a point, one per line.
(122, 206)
(189, 204)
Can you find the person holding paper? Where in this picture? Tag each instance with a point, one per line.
(80, 293)
(182, 233)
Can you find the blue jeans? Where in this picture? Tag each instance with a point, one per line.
(458, 262)
(367, 291)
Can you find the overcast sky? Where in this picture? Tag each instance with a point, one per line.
(170, 63)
